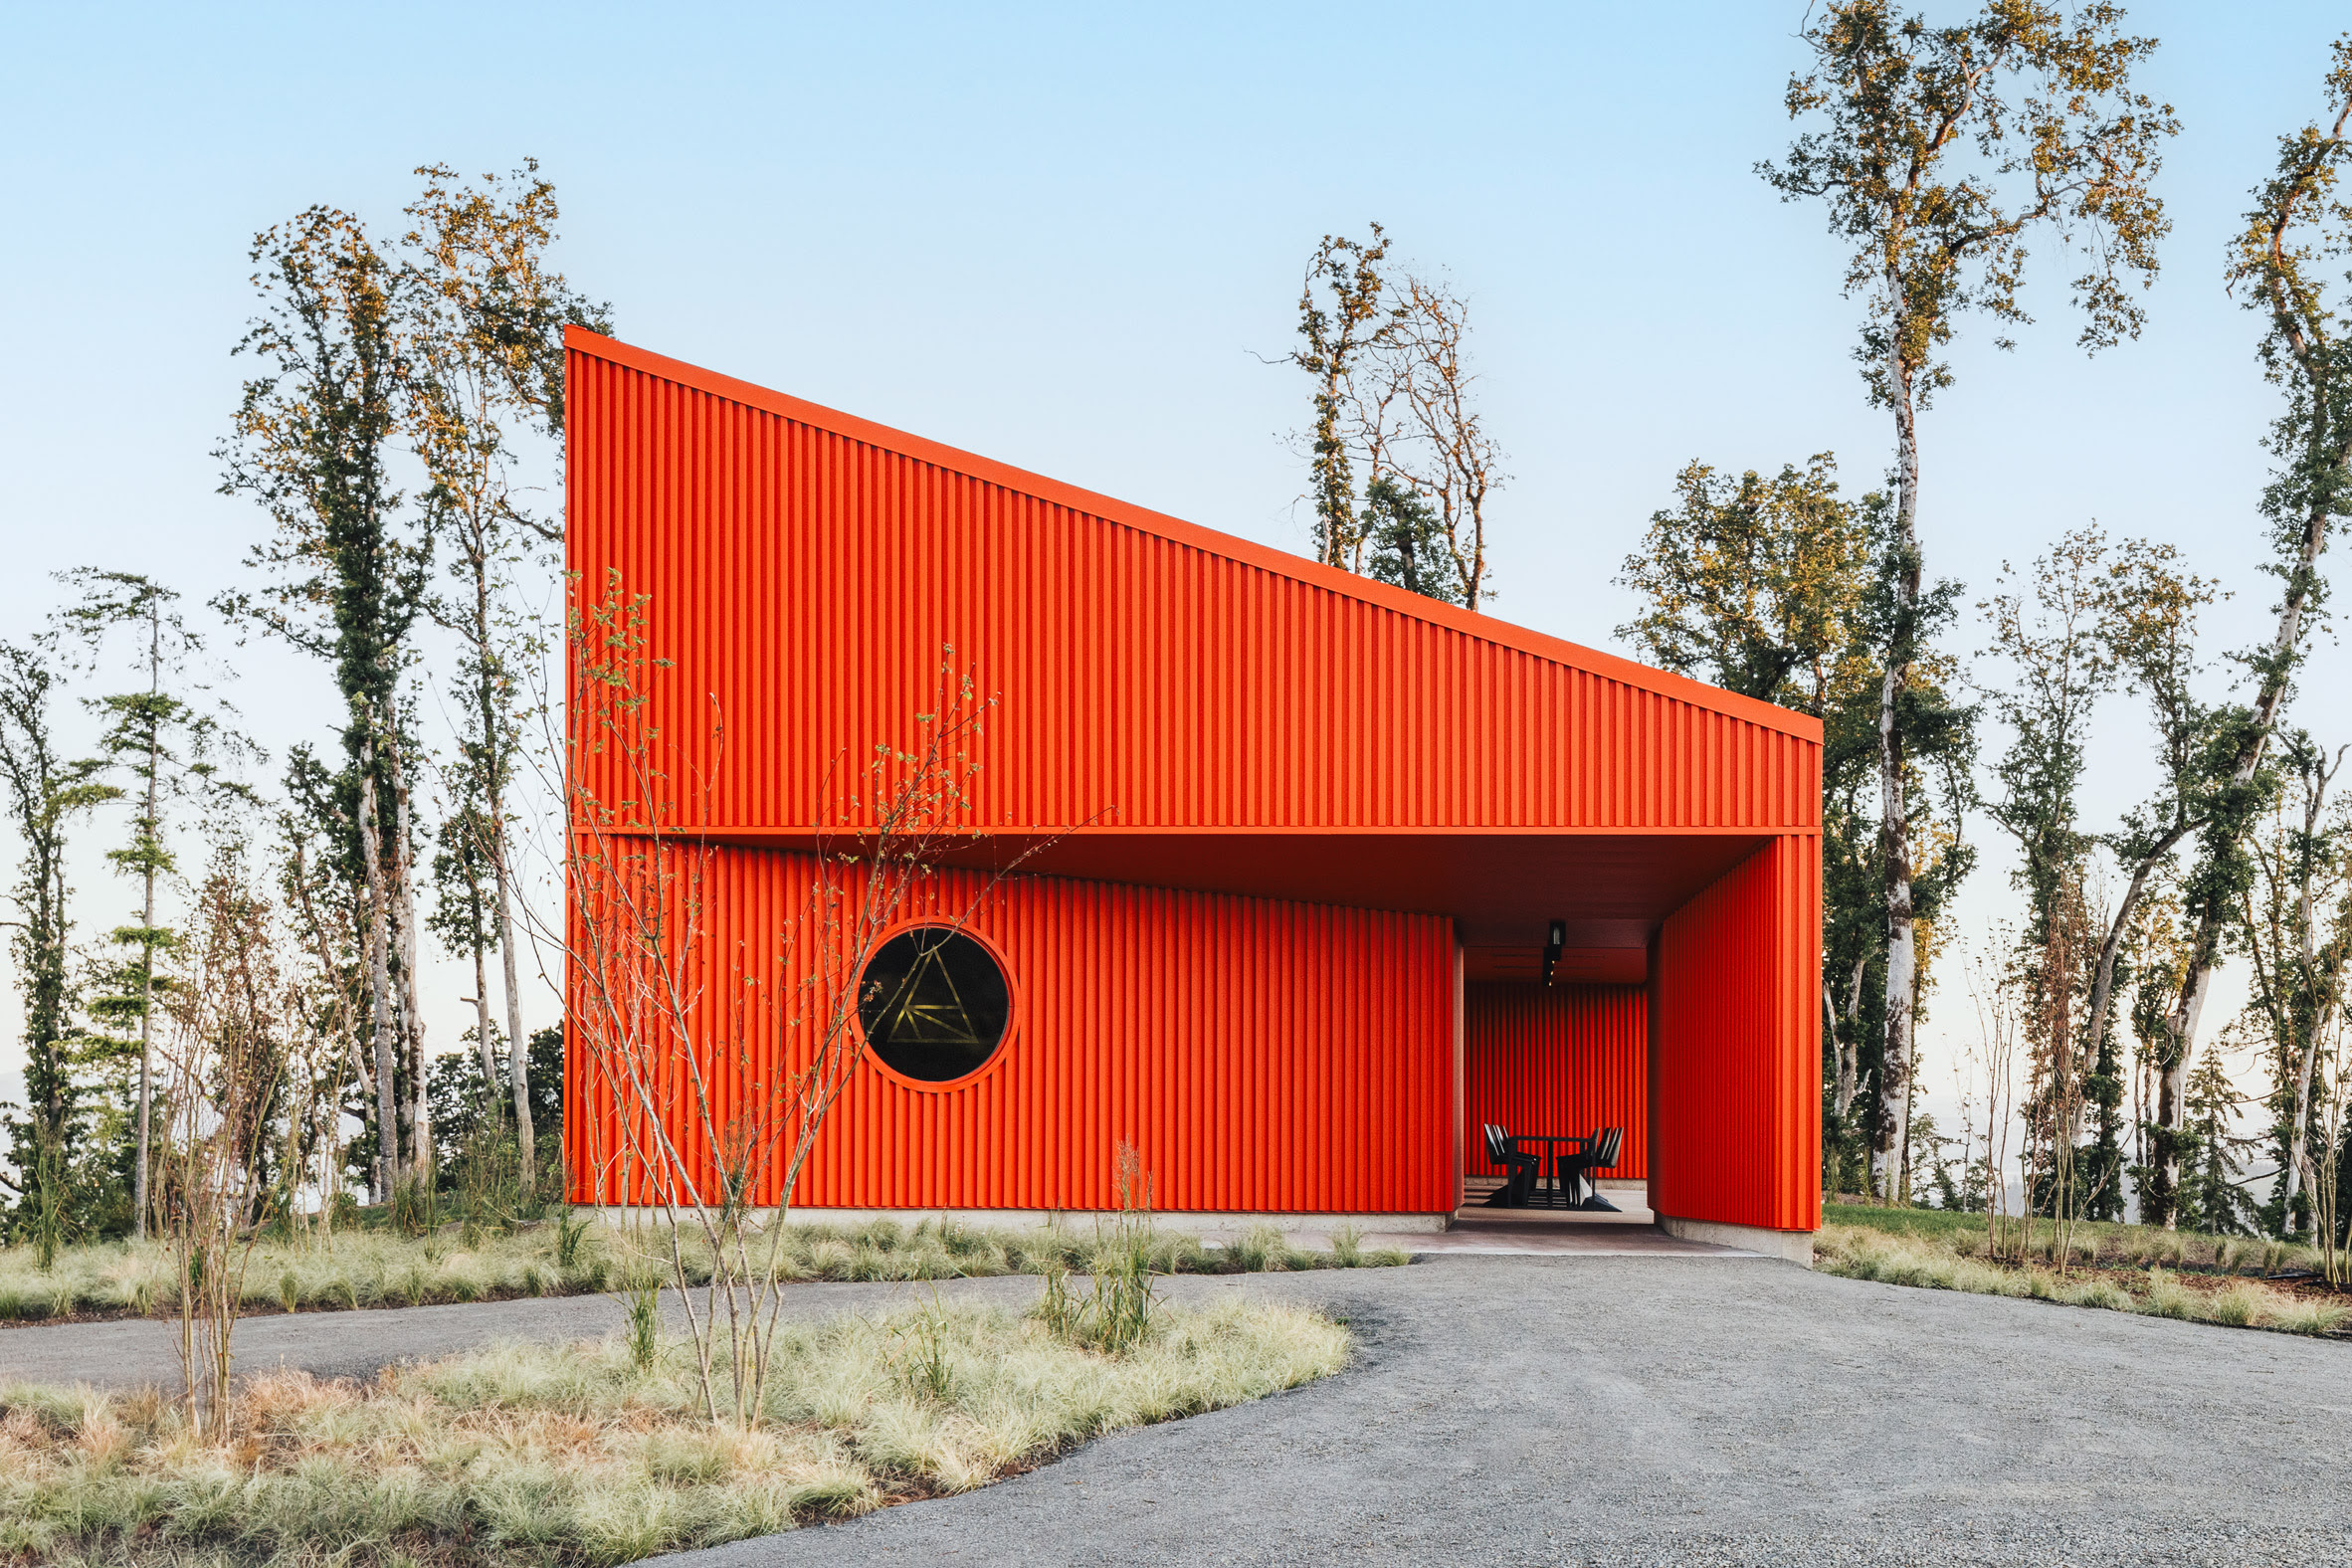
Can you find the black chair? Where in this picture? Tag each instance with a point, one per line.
(1597, 1154)
(1520, 1169)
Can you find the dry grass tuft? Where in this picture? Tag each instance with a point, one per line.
(1954, 1261)
(533, 1454)
(379, 1267)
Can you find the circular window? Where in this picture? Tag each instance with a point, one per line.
(933, 1004)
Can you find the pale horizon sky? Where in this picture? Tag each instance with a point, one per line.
(1069, 240)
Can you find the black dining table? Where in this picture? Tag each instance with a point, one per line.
(1547, 1137)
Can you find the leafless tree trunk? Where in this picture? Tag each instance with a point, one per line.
(1893, 1132)
(226, 1060)
(2102, 983)
(418, 1113)
(2205, 953)
(139, 1197)
(518, 1068)
(1422, 365)
(377, 939)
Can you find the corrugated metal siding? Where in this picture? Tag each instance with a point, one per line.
(1559, 1060)
(1736, 1046)
(808, 580)
(1261, 1054)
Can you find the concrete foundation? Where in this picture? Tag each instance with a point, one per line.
(1794, 1247)
(1087, 1219)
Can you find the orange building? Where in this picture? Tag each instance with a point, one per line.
(1303, 846)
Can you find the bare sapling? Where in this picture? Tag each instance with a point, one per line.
(708, 1075)
(2321, 1173)
(224, 1062)
(2006, 1237)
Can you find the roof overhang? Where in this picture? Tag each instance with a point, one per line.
(1502, 889)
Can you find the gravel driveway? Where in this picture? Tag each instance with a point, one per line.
(1671, 1411)
(1597, 1409)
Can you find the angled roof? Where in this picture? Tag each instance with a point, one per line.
(1155, 681)
(1186, 678)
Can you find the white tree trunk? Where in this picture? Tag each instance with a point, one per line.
(379, 978)
(1892, 1133)
(138, 1200)
(481, 1038)
(2205, 951)
(420, 1109)
(518, 1070)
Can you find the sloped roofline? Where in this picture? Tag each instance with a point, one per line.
(1330, 579)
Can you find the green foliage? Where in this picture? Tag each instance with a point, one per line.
(1405, 541)
(1758, 585)
(344, 580)
(468, 1109)
(370, 1260)
(49, 1136)
(2211, 1197)
(167, 744)
(1939, 150)
(1336, 326)
(1934, 153)
(2283, 267)
(1388, 353)
(641, 1290)
(1770, 587)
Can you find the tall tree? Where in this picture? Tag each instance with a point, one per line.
(327, 907)
(1943, 149)
(1763, 586)
(1415, 415)
(2285, 262)
(1344, 311)
(2148, 608)
(347, 582)
(1758, 584)
(2215, 1199)
(2046, 632)
(163, 742)
(2297, 920)
(45, 793)
(486, 328)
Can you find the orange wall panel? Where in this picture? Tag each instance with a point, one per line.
(1260, 1054)
(805, 569)
(1735, 1046)
(1559, 1060)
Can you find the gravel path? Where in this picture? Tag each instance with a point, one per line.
(1619, 1409)
(1597, 1409)
(131, 1352)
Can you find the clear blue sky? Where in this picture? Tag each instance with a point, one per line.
(1062, 238)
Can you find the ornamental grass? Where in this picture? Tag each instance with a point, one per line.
(573, 1455)
(1954, 1260)
(382, 1267)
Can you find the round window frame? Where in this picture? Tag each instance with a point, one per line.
(1005, 1041)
